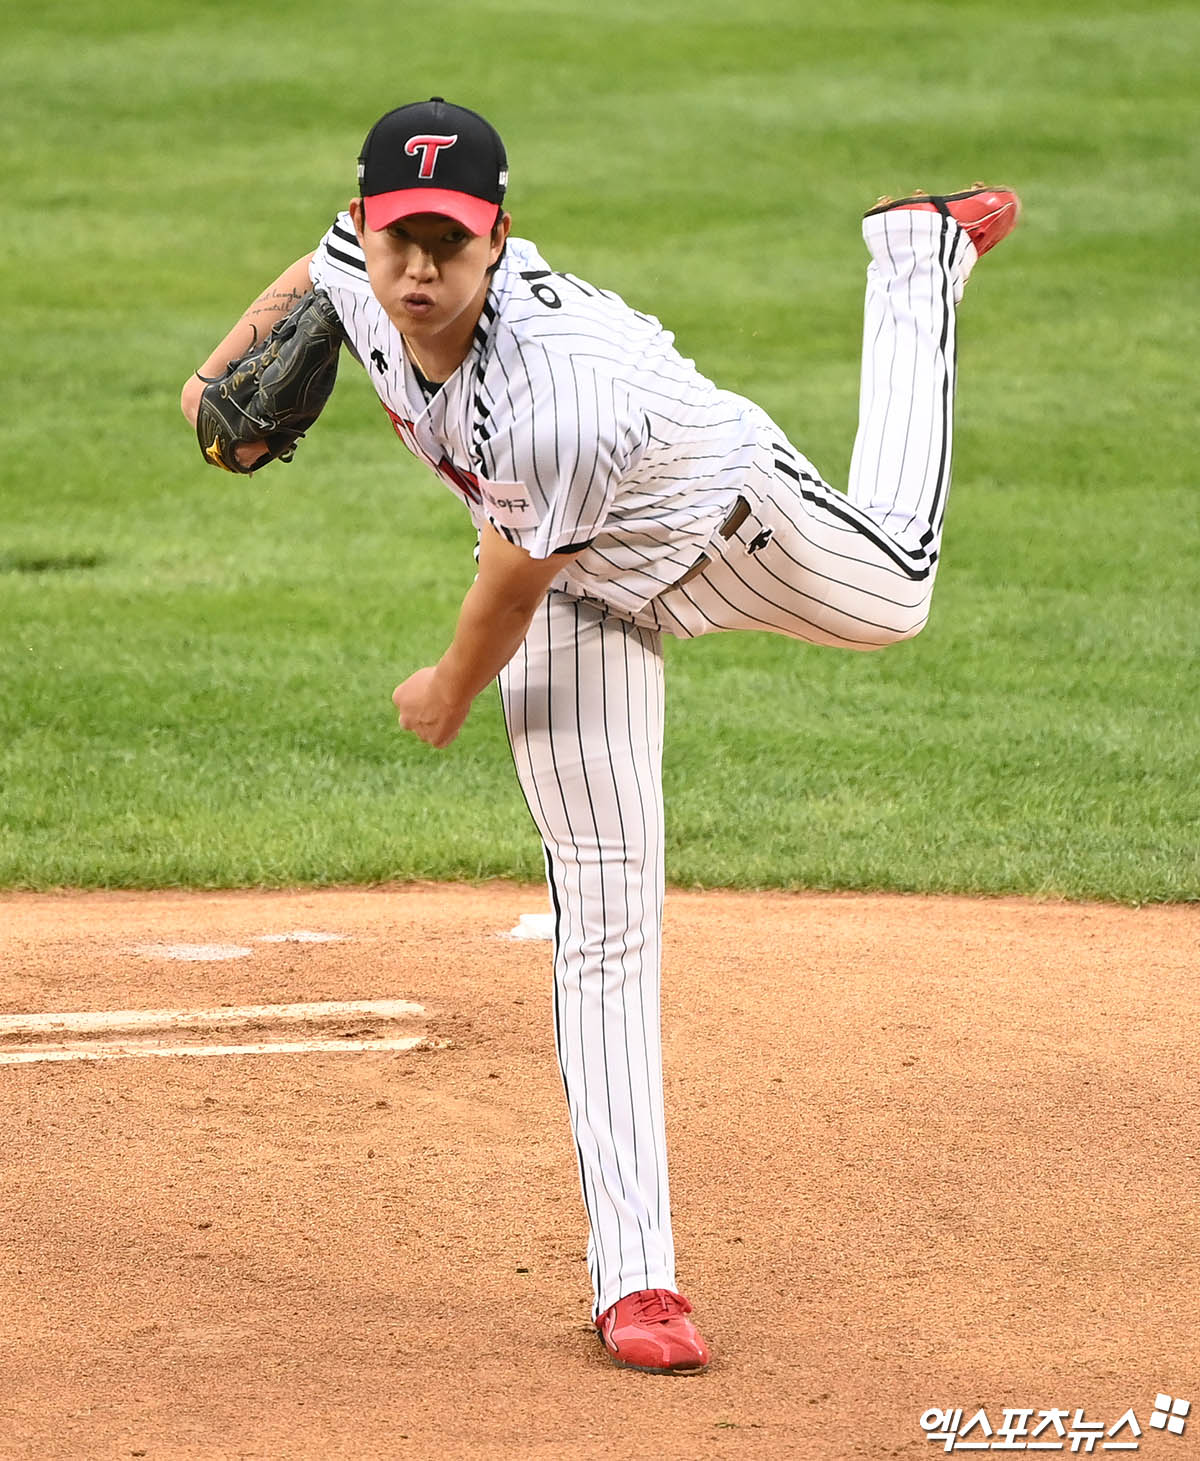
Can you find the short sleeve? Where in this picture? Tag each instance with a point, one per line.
(569, 435)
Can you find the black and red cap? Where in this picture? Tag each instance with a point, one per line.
(433, 157)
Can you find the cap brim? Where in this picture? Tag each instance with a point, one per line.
(476, 215)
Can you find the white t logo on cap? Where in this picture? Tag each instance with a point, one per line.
(429, 147)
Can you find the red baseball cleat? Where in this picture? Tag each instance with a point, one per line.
(649, 1331)
(987, 214)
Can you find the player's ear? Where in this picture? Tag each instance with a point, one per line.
(356, 216)
(500, 234)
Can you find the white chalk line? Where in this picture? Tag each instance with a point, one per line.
(131, 1050)
(171, 1023)
(100, 1020)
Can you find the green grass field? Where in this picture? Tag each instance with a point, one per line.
(197, 669)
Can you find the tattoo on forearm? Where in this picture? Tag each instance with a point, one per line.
(275, 300)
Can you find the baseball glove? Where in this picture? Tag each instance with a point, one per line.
(275, 392)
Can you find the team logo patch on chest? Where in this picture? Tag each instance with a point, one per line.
(507, 504)
(457, 477)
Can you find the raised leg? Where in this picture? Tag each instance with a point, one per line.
(900, 468)
(854, 570)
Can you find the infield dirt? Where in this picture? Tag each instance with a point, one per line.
(925, 1153)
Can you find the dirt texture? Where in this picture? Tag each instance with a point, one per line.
(925, 1153)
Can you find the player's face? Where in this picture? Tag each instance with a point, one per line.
(429, 274)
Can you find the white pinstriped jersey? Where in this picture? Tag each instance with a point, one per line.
(573, 421)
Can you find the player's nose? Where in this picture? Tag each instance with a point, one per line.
(420, 263)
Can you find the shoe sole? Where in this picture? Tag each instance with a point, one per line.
(651, 1369)
(934, 198)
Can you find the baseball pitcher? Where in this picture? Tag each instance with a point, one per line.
(619, 496)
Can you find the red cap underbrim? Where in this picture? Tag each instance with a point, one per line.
(476, 215)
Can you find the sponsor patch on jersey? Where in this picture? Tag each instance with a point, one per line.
(508, 503)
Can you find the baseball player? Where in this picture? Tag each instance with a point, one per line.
(620, 496)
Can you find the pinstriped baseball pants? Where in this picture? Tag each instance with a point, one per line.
(583, 703)
(852, 570)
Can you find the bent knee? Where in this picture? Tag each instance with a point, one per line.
(883, 635)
